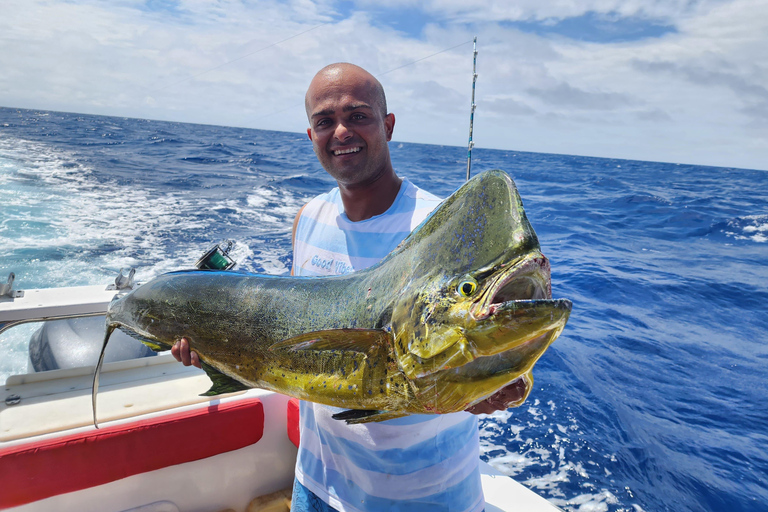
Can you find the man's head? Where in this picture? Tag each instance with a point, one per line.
(349, 125)
(349, 72)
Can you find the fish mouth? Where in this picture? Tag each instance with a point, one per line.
(515, 308)
(510, 342)
(527, 281)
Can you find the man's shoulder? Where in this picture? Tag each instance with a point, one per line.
(418, 193)
(416, 204)
(326, 201)
(329, 196)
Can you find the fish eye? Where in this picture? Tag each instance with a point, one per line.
(467, 287)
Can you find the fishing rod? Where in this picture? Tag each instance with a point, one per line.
(472, 111)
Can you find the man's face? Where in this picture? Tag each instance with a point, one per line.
(348, 128)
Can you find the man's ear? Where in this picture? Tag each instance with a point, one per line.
(389, 124)
(309, 133)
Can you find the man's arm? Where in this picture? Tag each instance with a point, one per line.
(293, 231)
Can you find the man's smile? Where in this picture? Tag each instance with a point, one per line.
(337, 152)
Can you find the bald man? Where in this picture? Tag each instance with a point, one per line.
(349, 128)
(420, 462)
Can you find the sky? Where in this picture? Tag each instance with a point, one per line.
(682, 81)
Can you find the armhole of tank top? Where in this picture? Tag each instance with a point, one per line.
(293, 234)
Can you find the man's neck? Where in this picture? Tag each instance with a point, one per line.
(362, 202)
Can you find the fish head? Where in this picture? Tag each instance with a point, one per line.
(479, 286)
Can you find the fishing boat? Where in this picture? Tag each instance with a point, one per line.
(160, 445)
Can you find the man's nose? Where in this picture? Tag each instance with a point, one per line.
(342, 132)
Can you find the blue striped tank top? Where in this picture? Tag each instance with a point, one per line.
(415, 463)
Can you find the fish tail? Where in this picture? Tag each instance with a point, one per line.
(95, 388)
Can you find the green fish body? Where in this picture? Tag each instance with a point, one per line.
(459, 310)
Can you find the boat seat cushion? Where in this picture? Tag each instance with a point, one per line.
(36, 470)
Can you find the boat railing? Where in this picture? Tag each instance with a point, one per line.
(39, 305)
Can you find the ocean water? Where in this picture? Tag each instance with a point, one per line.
(653, 399)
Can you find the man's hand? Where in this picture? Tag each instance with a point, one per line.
(503, 398)
(181, 352)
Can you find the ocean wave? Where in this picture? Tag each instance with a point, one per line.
(751, 227)
(71, 204)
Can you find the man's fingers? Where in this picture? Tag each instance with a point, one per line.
(195, 359)
(186, 359)
(503, 399)
(511, 394)
(175, 349)
(181, 352)
(481, 408)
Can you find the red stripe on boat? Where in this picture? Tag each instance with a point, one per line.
(37, 470)
(293, 421)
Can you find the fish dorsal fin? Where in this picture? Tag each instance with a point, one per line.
(483, 223)
(357, 340)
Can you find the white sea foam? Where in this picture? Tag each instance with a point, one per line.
(15, 350)
(281, 203)
(544, 464)
(80, 212)
(750, 227)
(54, 204)
(588, 502)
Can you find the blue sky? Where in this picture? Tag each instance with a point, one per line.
(597, 27)
(674, 80)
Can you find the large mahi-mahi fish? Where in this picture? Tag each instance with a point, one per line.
(459, 310)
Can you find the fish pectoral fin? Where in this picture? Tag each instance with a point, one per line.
(357, 340)
(353, 414)
(356, 416)
(221, 383)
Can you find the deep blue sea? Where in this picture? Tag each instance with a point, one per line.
(655, 397)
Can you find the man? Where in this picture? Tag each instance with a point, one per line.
(420, 462)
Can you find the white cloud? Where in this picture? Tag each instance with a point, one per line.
(696, 94)
(503, 10)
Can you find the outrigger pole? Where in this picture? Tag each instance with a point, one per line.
(472, 112)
